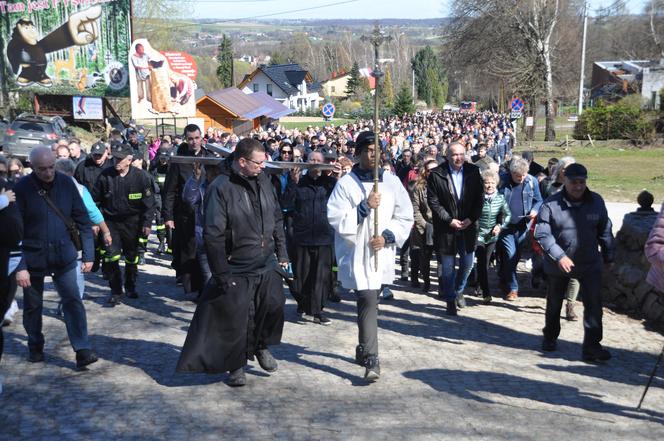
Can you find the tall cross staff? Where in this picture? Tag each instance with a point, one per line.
(376, 38)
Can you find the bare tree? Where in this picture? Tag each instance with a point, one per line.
(513, 38)
(656, 13)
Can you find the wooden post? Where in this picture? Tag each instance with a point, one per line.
(566, 142)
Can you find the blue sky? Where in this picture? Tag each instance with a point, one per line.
(369, 9)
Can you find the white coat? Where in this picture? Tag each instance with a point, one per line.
(354, 257)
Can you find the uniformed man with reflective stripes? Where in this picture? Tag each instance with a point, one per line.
(126, 198)
(158, 170)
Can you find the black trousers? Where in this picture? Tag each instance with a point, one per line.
(483, 254)
(591, 284)
(5, 302)
(184, 254)
(232, 322)
(125, 236)
(313, 276)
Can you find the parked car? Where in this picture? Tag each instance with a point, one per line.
(29, 131)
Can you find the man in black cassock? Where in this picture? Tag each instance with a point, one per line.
(241, 311)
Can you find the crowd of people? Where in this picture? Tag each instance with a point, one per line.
(452, 194)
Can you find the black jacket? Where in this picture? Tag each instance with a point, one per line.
(174, 185)
(88, 171)
(243, 228)
(121, 197)
(444, 206)
(12, 234)
(309, 197)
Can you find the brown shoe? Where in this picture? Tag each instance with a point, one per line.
(511, 296)
(569, 312)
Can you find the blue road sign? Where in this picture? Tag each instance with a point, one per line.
(328, 110)
(516, 104)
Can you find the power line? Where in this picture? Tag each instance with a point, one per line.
(272, 14)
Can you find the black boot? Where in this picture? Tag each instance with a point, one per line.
(414, 268)
(131, 274)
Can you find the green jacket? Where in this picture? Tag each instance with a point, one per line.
(495, 213)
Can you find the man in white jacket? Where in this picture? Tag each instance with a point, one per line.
(351, 210)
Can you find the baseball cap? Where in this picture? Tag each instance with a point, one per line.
(98, 148)
(121, 151)
(576, 171)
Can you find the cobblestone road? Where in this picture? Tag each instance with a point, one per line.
(477, 376)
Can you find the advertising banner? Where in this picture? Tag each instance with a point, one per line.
(162, 83)
(65, 47)
(87, 108)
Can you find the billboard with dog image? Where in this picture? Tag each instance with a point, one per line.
(65, 47)
(162, 83)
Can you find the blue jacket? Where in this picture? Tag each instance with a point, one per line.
(530, 196)
(47, 246)
(576, 231)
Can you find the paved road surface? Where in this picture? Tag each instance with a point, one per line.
(477, 376)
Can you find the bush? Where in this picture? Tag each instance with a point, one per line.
(623, 120)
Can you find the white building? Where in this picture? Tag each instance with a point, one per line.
(289, 84)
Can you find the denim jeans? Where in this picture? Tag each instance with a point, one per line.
(72, 307)
(509, 243)
(450, 282)
(80, 279)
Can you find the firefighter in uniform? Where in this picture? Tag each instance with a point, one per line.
(158, 170)
(126, 199)
(140, 161)
(86, 174)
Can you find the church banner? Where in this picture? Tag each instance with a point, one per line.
(65, 47)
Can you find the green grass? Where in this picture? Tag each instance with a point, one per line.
(618, 173)
(316, 122)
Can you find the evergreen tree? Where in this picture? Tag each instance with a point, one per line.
(225, 60)
(387, 90)
(403, 102)
(354, 81)
(430, 78)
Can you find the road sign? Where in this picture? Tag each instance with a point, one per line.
(328, 110)
(516, 115)
(530, 121)
(516, 104)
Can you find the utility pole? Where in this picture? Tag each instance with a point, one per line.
(583, 56)
(413, 75)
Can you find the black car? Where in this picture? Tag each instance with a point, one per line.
(29, 131)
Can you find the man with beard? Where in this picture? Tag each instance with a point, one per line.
(180, 218)
(241, 310)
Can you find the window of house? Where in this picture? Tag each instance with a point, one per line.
(256, 87)
(269, 89)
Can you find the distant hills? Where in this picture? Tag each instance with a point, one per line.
(429, 22)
